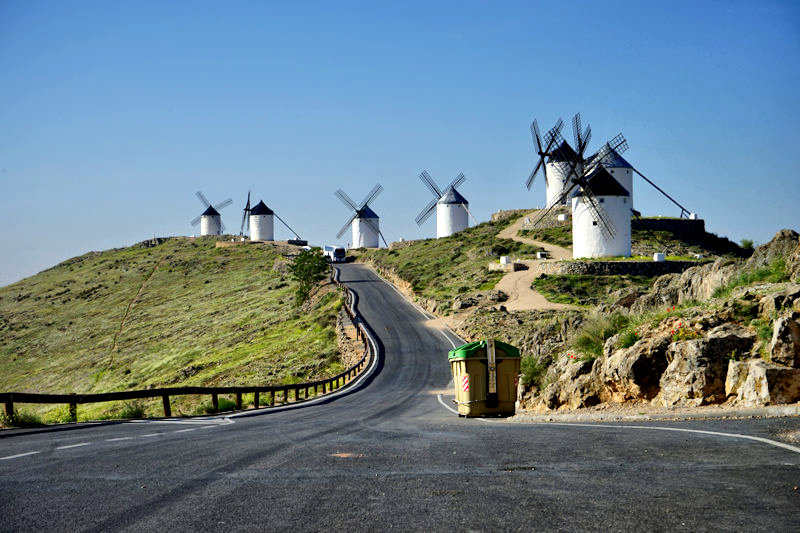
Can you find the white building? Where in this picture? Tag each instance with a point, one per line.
(262, 223)
(588, 238)
(365, 227)
(558, 172)
(621, 170)
(451, 213)
(210, 222)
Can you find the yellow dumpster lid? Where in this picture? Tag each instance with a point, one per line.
(471, 349)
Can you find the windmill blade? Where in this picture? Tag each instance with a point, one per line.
(223, 204)
(196, 221)
(290, 229)
(426, 212)
(245, 218)
(576, 130)
(430, 184)
(607, 228)
(376, 190)
(346, 200)
(617, 144)
(221, 227)
(566, 194)
(458, 180)
(587, 135)
(371, 223)
(475, 220)
(553, 135)
(347, 225)
(203, 199)
(537, 137)
(532, 177)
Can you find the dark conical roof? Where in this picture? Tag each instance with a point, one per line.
(563, 153)
(452, 196)
(614, 160)
(261, 209)
(366, 212)
(602, 183)
(210, 212)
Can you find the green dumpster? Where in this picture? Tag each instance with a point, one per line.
(485, 375)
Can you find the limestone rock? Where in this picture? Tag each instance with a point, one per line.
(785, 346)
(783, 245)
(774, 303)
(634, 373)
(756, 383)
(698, 367)
(463, 303)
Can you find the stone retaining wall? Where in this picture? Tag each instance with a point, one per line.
(614, 268)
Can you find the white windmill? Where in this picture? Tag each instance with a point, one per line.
(210, 220)
(364, 222)
(260, 221)
(452, 208)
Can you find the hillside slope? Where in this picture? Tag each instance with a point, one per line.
(180, 313)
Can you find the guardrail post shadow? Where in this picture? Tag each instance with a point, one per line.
(167, 408)
(238, 401)
(215, 402)
(255, 399)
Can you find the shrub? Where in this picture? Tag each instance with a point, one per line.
(533, 371)
(308, 268)
(628, 338)
(133, 409)
(593, 334)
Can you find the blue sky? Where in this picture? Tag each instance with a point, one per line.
(114, 113)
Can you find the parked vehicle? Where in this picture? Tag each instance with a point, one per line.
(335, 254)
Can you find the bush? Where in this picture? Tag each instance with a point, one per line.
(593, 334)
(775, 272)
(21, 419)
(533, 371)
(132, 410)
(628, 338)
(308, 268)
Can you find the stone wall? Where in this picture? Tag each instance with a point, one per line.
(677, 226)
(614, 268)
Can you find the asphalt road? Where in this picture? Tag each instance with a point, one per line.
(391, 456)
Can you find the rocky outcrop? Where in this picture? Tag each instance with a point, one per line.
(698, 367)
(632, 373)
(756, 383)
(785, 346)
(784, 245)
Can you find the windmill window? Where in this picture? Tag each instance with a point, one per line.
(602, 200)
(594, 222)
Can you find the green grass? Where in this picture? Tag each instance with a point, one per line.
(533, 371)
(775, 272)
(207, 316)
(558, 235)
(595, 331)
(444, 268)
(580, 289)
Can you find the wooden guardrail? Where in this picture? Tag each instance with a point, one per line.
(276, 394)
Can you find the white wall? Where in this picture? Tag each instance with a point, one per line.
(625, 178)
(364, 236)
(450, 218)
(588, 240)
(262, 227)
(210, 225)
(557, 174)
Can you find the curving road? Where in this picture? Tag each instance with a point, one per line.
(390, 455)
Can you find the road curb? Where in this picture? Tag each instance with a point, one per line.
(770, 411)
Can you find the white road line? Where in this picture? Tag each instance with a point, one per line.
(185, 430)
(448, 339)
(206, 427)
(441, 401)
(683, 430)
(151, 435)
(73, 445)
(18, 455)
(119, 438)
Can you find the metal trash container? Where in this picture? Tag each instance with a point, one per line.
(485, 376)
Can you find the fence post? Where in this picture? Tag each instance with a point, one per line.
(10, 409)
(167, 408)
(215, 402)
(239, 401)
(73, 410)
(255, 399)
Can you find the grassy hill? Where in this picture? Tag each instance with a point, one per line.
(180, 313)
(441, 269)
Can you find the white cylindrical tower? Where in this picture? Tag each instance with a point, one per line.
(262, 223)
(588, 238)
(365, 229)
(558, 172)
(451, 213)
(621, 170)
(210, 222)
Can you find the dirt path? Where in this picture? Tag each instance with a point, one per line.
(556, 252)
(517, 285)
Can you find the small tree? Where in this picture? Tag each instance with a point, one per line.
(747, 244)
(308, 269)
